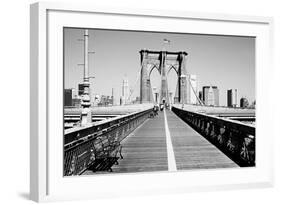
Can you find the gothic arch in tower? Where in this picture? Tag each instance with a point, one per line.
(164, 62)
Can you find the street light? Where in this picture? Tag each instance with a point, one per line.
(86, 116)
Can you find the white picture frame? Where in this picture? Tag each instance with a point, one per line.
(46, 180)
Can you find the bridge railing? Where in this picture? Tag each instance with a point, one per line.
(235, 139)
(80, 143)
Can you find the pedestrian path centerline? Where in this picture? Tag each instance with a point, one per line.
(172, 165)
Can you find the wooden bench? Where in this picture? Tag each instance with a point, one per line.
(107, 152)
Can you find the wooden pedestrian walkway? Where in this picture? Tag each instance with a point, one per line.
(192, 151)
(146, 148)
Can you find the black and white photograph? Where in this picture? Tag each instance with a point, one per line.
(140, 101)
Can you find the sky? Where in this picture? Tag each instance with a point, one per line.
(227, 62)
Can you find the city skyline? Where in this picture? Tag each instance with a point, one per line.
(117, 55)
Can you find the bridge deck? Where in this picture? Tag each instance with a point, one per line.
(146, 148)
(192, 151)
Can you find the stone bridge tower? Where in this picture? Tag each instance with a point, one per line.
(164, 62)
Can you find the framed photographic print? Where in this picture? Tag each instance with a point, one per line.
(147, 101)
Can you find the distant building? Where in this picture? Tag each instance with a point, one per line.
(80, 89)
(253, 105)
(125, 92)
(229, 98)
(105, 100)
(71, 99)
(232, 98)
(76, 102)
(121, 100)
(136, 101)
(210, 95)
(95, 99)
(244, 103)
(73, 93)
(112, 96)
(200, 95)
(67, 97)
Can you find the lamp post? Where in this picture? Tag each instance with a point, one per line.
(86, 115)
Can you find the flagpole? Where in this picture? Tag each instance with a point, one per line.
(165, 41)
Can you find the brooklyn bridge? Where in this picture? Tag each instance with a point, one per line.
(161, 134)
